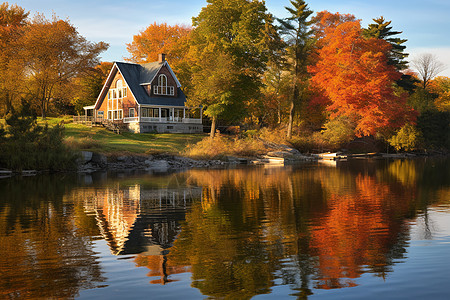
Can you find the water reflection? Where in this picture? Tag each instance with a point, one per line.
(42, 253)
(238, 233)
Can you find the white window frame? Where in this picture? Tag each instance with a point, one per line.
(131, 112)
(162, 88)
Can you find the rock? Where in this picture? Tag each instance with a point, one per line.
(86, 156)
(123, 158)
(282, 154)
(158, 165)
(99, 159)
(87, 168)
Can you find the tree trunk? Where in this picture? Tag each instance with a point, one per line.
(213, 128)
(291, 120)
(43, 110)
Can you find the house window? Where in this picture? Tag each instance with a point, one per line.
(150, 112)
(162, 88)
(115, 101)
(131, 112)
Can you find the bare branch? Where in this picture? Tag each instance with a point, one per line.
(427, 66)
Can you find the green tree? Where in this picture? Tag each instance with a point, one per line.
(12, 24)
(54, 53)
(228, 55)
(381, 29)
(297, 32)
(87, 85)
(407, 138)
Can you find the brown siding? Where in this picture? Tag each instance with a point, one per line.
(128, 101)
(170, 81)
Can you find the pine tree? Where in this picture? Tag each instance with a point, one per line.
(380, 29)
(297, 32)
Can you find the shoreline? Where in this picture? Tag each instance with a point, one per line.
(90, 162)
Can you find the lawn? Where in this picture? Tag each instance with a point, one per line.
(98, 139)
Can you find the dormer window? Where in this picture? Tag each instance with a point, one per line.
(162, 88)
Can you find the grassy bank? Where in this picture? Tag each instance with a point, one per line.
(98, 139)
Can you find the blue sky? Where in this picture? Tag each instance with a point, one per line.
(426, 24)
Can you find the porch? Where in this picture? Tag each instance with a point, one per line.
(162, 120)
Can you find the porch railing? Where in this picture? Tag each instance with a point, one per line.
(87, 119)
(130, 119)
(163, 120)
(83, 119)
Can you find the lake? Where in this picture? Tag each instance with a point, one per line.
(356, 229)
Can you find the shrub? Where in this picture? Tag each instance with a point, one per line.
(221, 146)
(81, 143)
(27, 145)
(408, 138)
(338, 132)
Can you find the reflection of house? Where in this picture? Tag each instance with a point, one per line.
(146, 98)
(136, 220)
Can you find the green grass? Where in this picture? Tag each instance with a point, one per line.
(98, 139)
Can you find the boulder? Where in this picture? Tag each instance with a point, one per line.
(99, 159)
(85, 157)
(158, 165)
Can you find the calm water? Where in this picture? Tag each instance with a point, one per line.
(361, 229)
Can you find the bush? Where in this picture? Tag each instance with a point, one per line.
(338, 132)
(221, 146)
(81, 143)
(408, 138)
(27, 145)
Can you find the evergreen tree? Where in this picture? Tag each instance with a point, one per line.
(297, 32)
(381, 29)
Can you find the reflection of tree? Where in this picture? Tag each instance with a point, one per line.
(160, 267)
(42, 254)
(224, 261)
(323, 225)
(359, 230)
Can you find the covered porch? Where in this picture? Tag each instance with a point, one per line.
(153, 114)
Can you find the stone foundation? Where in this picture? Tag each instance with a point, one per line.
(165, 127)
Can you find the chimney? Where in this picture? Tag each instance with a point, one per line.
(161, 58)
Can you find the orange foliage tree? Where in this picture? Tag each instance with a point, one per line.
(160, 38)
(354, 74)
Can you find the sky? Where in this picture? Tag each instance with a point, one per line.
(425, 24)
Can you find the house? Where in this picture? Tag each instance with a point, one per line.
(145, 98)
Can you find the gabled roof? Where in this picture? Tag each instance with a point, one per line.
(135, 76)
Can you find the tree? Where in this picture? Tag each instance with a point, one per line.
(277, 88)
(353, 72)
(160, 38)
(380, 29)
(12, 24)
(88, 84)
(296, 29)
(427, 66)
(441, 87)
(228, 55)
(54, 53)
